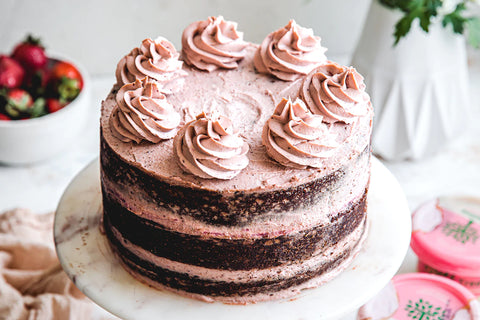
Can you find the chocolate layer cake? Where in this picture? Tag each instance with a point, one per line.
(235, 172)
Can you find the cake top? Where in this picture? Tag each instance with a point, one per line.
(313, 114)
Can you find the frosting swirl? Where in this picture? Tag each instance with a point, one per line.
(212, 44)
(289, 52)
(296, 138)
(208, 147)
(336, 92)
(143, 113)
(157, 59)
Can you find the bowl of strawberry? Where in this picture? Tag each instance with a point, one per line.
(43, 103)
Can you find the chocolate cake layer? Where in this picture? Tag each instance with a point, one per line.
(213, 207)
(230, 254)
(184, 282)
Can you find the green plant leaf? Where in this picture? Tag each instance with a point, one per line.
(394, 4)
(402, 28)
(424, 22)
(473, 32)
(427, 10)
(455, 19)
(423, 10)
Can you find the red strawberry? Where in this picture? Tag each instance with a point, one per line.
(53, 105)
(66, 80)
(64, 69)
(31, 54)
(20, 105)
(19, 98)
(4, 117)
(11, 73)
(18, 102)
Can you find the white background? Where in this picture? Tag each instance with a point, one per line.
(99, 33)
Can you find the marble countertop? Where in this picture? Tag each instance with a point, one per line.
(455, 170)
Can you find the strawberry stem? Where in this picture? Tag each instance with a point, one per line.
(68, 89)
(34, 40)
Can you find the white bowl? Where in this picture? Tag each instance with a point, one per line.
(38, 139)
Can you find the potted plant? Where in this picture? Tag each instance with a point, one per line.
(412, 54)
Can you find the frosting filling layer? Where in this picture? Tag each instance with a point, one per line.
(243, 276)
(232, 254)
(237, 287)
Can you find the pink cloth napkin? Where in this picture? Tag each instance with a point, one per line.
(33, 285)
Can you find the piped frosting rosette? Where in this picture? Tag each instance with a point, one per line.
(157, 59)
(209, 147)
(296, 138)
(212, 44)
(143, 113)
(335, 92)
(289, 52)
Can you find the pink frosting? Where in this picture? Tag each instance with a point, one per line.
(208, 147)
(143, 113)
(290, 52)
(336, 92)
(295, 137)
(249, 99)
(157, 59)
(212, 44)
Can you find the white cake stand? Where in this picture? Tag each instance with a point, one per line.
(89, 262)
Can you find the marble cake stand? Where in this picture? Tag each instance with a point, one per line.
(89, 262)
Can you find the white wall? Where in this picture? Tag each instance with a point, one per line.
(98, 33)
